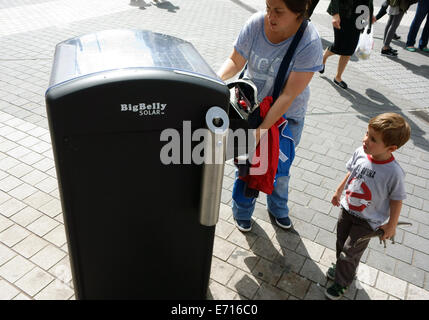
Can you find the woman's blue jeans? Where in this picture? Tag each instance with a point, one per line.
(421, 13)
(243, 207)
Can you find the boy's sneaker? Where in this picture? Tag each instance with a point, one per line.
(410, 48)
(284, 223)
(335, 292)
(424, 49)
(389, 52)
(330, 274)
(243, 225)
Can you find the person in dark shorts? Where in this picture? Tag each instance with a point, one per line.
(348, 26)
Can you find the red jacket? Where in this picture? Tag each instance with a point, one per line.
(263, 172)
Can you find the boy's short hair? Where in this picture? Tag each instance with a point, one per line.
(395, 131)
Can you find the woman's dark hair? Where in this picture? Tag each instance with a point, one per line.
(298, 6)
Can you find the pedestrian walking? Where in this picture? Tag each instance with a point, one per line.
(421, 13)
(382, 12)
(397, 9)
(262, 44)
(345, 21)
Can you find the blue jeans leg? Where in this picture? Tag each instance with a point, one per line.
(421, 13)
(277, 201)
(242, 207)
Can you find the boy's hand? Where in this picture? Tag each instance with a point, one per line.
(389, 231)
(336, 199)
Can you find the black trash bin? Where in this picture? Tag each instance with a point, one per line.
(135, 226)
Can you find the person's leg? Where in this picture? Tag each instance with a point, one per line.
(395, 22)
(327, 54)
(415, 25)
(386, 29)
(242, 207)
(342, 64)
(425, 33)
(349, 258)
(277, 201)
(344, 225)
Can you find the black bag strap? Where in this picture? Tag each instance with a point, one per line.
(284, 66)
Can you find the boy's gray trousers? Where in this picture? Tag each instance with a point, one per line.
(349, 229)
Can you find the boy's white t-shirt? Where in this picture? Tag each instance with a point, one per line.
(371, 186)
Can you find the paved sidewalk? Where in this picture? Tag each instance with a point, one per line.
(267, 263)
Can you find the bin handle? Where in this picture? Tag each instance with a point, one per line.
(215, 142)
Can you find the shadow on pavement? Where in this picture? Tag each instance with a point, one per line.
(161, 4)
(376, 105)
(166, 5)
(288, 272)
(139, 3)
(422, 70)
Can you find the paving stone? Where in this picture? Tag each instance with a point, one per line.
(416, 242)
(287, 239)
(5, 254)
(268, 292)
(381, 262)
(224, 228)
(266, 248)
(244, 240)
(400, 252)
(15, 268)
(391, 285)
(416, 293)
(55, 291)
(305, 230)
(221, 271)
(30, 246)
(26, 216)
(370, 293)
(220, 292)
(315, 292)
(409, 273)
(310, 249)
(10, 207)
(42, 226)
(47, 257)
(243, 259)
(222, 248)
(34, 281)
(421, 260)
(366, 274)
(290, 261)
(267, 271)
(326, 239)
(294, 284)
(244, 283)
(7, 291)
(13, 235)
(314, 271)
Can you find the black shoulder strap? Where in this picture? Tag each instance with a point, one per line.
(284, 66)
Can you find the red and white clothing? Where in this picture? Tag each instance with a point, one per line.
(371, 186)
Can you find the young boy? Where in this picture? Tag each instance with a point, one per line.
(374, 192)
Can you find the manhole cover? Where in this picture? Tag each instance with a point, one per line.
(422, 114)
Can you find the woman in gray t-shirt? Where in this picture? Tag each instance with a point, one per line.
(262, 44)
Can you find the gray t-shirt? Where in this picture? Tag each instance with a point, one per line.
(371, 186)
(264, 59)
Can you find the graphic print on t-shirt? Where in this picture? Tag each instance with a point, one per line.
(358, 195)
